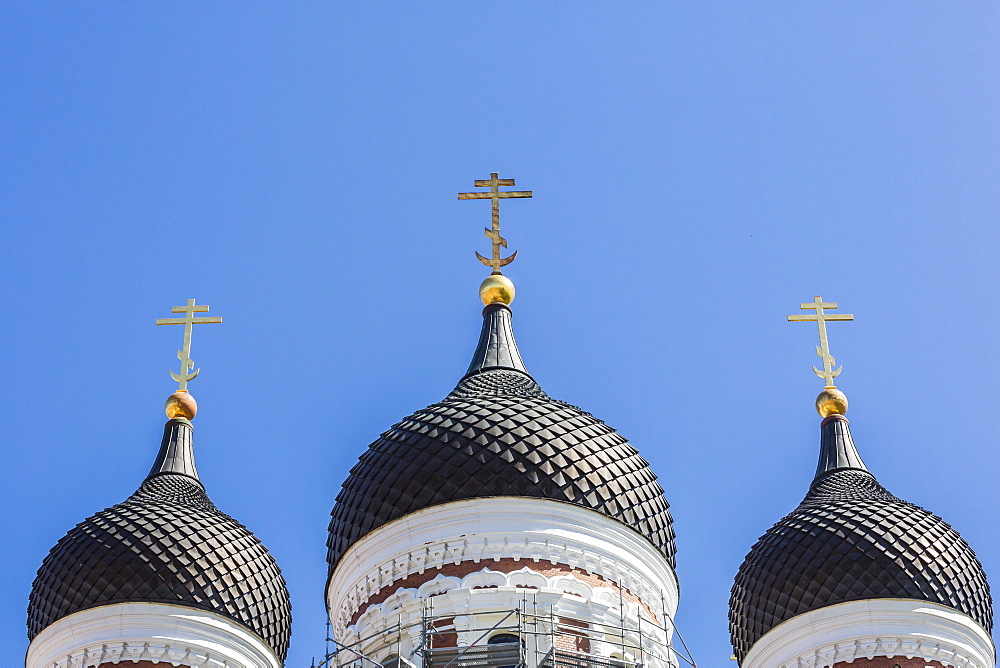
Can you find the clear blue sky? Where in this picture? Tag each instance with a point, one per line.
(699, 169)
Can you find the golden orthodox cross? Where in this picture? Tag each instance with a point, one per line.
(821, 317)
(184, 354)
(494, 183)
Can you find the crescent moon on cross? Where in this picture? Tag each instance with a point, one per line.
(499, 262)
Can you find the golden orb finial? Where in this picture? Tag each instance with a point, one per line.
(181, 404)
(831, 401)
(496, 288)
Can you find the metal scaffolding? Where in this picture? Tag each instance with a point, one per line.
(521, 637)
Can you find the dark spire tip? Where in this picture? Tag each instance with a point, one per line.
(497, 348)
(176, 453)
(837, 450)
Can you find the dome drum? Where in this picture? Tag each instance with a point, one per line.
(151, 634)
(907, 632)
(501, 533)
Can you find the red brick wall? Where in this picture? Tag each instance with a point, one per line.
(504, 566)
(882, 662)
(449, 638)
(570, 638)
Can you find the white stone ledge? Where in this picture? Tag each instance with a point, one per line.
(875, 627)
(157, 632)
(494, 528)
(498, 590)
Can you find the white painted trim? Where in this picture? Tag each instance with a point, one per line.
(874, 627)
(157, 632)
(566, 593)
(478, 530)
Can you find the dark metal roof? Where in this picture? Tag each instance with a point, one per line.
(497, 348)
(176, 453)
(499, 434)
(167, 543)
(849, 540)
(836, 448)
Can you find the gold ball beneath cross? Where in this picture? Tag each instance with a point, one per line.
(831, 401)
(181, 405)
(496, 288)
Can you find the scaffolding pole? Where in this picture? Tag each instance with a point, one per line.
(635, 651)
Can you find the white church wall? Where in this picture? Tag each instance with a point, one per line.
(871, 628)
(547, 570)
(156, 632)
(491, 529)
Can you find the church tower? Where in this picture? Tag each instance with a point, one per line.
(164, 577)
(855, 576)
(501, 527)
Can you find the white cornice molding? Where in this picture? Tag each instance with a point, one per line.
(874, 627)
(157, 632)
(494, 528)
(487, 589)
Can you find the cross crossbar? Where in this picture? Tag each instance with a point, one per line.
(821, 317)
(187, 372)
(493, 232)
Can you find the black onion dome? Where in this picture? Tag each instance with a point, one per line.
(499, 434)
(849, 540)
(167, 543)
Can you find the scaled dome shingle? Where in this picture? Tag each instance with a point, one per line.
(499, 434)
(167, 543)
(849, 540)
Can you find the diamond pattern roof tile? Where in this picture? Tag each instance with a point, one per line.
(499, 434)
(850, 539)
(167, 543)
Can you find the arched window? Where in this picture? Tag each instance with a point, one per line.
(509, 645)
(618, 659)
